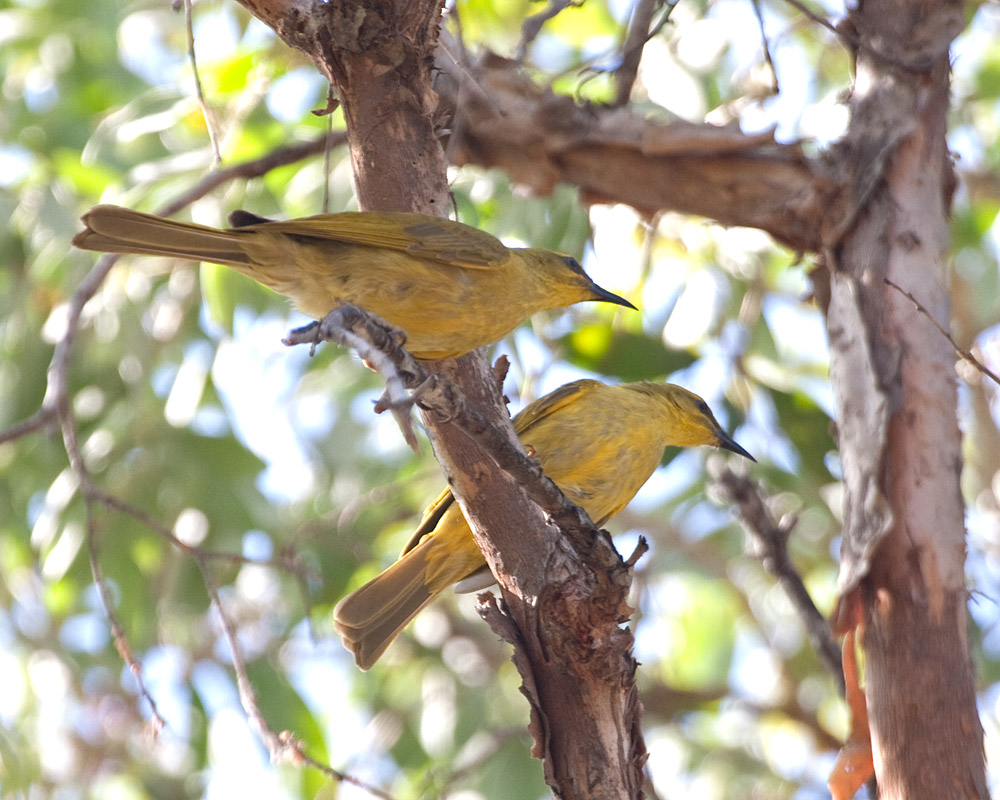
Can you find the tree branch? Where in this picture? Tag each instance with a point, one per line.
(768, 542)
(279, 157)
(615, 155)
(638, 34)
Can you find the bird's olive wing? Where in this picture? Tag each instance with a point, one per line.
(455, 243)
(531, 414)
(417, 234)
(430, 520)
(552, 402)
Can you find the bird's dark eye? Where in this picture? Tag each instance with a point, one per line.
(573, 264)
(703, 408)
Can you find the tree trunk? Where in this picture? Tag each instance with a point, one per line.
(564, 602)
(894, 379)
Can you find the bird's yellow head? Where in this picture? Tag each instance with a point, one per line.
(691, 421)
(563, 279)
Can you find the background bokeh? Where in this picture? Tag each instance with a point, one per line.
(189, 408)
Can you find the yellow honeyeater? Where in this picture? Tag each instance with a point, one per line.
(599, 444)
(450, 287)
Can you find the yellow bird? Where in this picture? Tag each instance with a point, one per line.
(450, 287)
(599, 444)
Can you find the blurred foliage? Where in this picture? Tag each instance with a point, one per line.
(189, 408)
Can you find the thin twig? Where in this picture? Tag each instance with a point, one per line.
(283, 747)
(40, 419)
(641, 548)
(205, 110)
(765, 44)
(254, 168)
(965, 354)
(635, 41)
(118, 635)
(456, 66)
(532, 26)
(819, 20)
(768, 541)
(285, 562)
(331, 103)
(668, 8)
(466, 77)
(631, 54)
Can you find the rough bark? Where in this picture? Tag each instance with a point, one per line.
(894, 379)
(564, 590)
(502, 119)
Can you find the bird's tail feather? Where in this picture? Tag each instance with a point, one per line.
(371, 617)
(113, 229)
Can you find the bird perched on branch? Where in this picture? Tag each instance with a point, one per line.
(451, 288)
(598, 443)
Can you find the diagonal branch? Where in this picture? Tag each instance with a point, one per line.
(768, 542)
(206, 110)
(283, 747)
(962, 352)
(254, 168)
(532, 25)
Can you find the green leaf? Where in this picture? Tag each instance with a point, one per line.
(971, 223)
(987, 80)
(628, 356)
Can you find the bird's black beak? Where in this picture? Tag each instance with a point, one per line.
(726, 442)
(610, 297)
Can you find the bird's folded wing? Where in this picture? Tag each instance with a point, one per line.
(552, 402)
(430, 520)
(421, 236)
(531, 414)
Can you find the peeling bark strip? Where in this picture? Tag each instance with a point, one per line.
(894, 382)
(861, 381)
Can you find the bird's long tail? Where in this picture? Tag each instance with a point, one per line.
(371, 617)
(113, 229)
